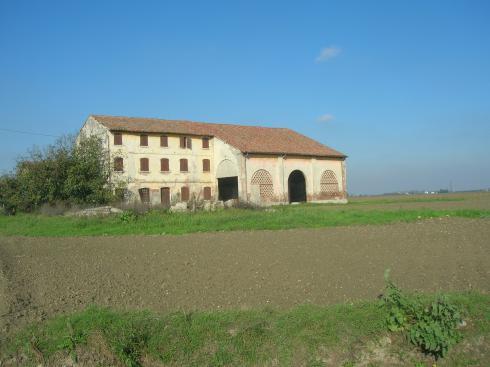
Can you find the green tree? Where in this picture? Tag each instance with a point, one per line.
(70, 171)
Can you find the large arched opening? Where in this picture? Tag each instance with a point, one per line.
(297, 187)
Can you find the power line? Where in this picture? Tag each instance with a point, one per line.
(29, 133)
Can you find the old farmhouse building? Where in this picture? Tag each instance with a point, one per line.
(166, 161)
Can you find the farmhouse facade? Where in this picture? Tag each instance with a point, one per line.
(167, 161)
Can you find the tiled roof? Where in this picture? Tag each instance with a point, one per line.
(247, 139)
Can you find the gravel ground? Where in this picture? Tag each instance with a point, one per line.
(42, 277)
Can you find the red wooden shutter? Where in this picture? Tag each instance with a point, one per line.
(117, 139)
(144, 140)
(144, 195)
(207, 193)
(164, 166)
(164, 141)
(182, 142)
(144, 165)
(205, 143)
(118, 164)
(184, 193)
(206, 166)
(183, 165)
(165, 196)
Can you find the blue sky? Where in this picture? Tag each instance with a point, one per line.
(402, 87)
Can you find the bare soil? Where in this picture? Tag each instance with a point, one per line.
(43, 277)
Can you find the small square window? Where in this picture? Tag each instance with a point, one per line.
(144, 165)
(207, 193)
(205, 143)
(185, 142)
(206, 165)
(184, 167)
(118, 164)
(164, 165)
(117, 139)
(184, 193)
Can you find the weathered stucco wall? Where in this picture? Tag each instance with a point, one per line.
(280, 167)
(228, 163)
(155, 179)
(92, 127)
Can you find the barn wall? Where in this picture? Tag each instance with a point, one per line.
(281, 167)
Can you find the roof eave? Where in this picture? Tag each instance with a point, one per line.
(342, 156)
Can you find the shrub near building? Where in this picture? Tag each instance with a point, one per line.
(68, 172)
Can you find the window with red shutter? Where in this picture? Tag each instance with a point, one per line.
(185, 142)
(164, 166)
(207, 193)
(118, 164)
(144, 165)
(184, 193)
(205, 143)
(144, 195)
(206, 165)
(143, 140)
(117, 139)
(183, 165)
(164, 141)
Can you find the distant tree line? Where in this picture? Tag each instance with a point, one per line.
(71, 172)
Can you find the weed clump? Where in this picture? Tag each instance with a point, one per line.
(432, 326)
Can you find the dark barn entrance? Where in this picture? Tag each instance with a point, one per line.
(296, 187)
(228, 188)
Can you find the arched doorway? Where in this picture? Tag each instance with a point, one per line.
(297, 187)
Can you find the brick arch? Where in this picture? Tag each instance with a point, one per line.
(328, 183)
(263, 179)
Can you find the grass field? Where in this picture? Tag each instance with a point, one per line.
(281, 217)
(340, 335)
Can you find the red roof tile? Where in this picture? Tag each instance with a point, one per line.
(247, 139)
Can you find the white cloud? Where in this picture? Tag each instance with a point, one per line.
(326, 118)
(328, 53)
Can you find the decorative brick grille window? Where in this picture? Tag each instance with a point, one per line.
(184, 167)
(143, 140)
(164, 141)
(144, 165)
(207, 193)
(118, 164)
(206, 165)
(164, 165)
(117, 139)
(263, 179)
(184, 193)
(205, 143)
(329, 186)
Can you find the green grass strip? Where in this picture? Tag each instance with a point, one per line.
(158, 222)
(300, 336)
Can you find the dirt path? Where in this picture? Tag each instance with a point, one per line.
(48, 276)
